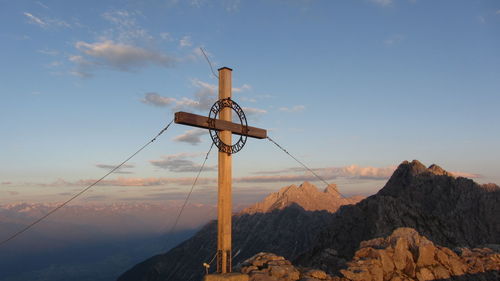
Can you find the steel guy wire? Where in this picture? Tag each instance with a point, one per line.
(82, 191)
(209, 63)
(303, 165)
(169, 235)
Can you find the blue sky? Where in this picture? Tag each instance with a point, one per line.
(352, 88)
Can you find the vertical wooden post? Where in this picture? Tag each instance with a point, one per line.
(225, 178)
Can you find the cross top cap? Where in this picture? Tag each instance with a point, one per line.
(225, 67)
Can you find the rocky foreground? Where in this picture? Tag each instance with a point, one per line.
(404, 255)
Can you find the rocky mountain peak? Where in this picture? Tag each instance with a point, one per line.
(436, 170)
(306, 195)
(332, 189)
(415, 168)
(409, 173)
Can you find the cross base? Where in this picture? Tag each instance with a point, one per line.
(226, 277)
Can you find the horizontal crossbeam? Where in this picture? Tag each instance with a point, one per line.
(199, 121)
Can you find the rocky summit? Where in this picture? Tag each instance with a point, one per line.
(286, 223)
(307, 196)
(403, 255)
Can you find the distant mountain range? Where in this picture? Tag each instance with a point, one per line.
(450, 211)
(91, 241)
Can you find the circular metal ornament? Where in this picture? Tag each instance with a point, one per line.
(215, 134)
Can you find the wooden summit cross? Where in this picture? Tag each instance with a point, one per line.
(221, 131)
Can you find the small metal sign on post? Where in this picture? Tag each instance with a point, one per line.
(221, 130)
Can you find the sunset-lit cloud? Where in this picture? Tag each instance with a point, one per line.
(329, 173)
(466, 175)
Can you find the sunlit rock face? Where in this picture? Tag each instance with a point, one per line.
(406, 255)
(307, 196)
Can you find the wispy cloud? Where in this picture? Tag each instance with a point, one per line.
(497, 12)
(166, 36)
(180, 163)
(254, 111)
(382, 2)
(125, 28)
(192, 137)
(185, 42)
(232, 5)
(331, 173)
(46, 22)
(244, 87)
(203, 99)
(49, 52)
(296, 108)
(129, 182)
(42, 5)
(35, 20)
(393, 40)
(328, 173)
(121, 170)
(157, 100)
(122, 57)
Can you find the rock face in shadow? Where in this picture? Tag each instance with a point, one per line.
(286, 222)
(287, 232)
(452, 212)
